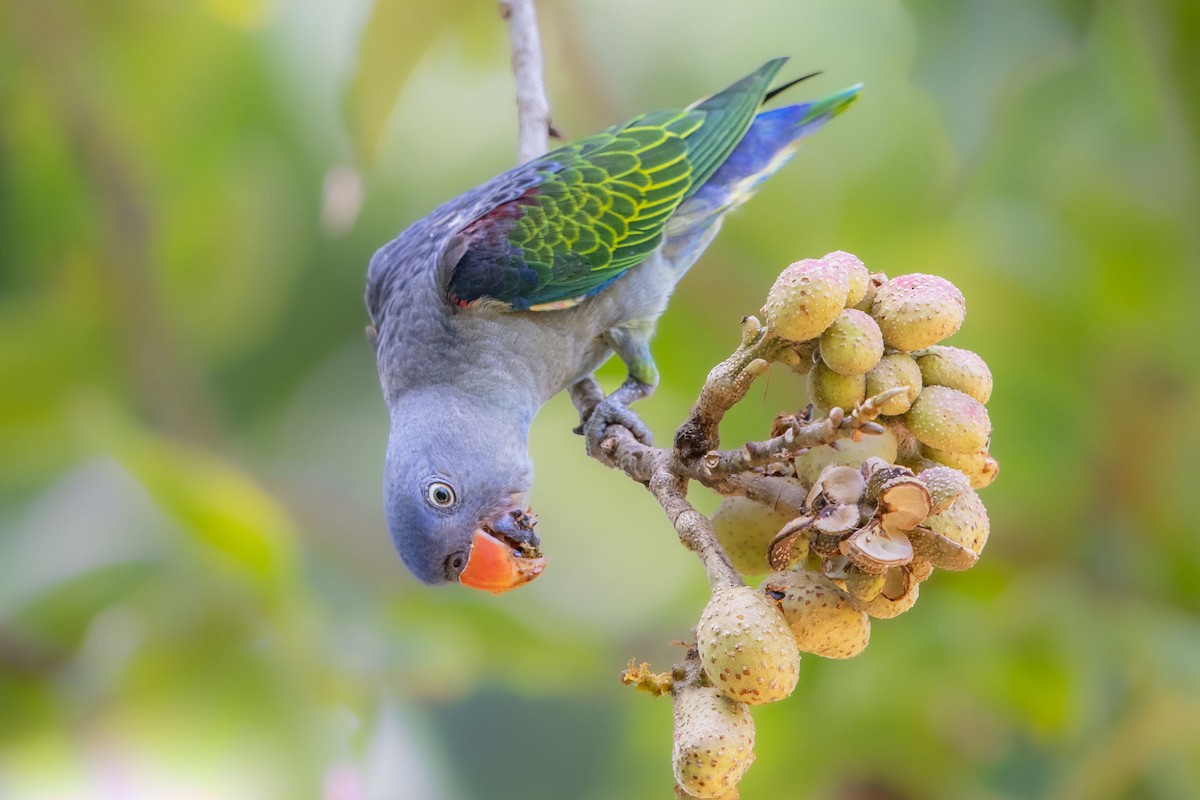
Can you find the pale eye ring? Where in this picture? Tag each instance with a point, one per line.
(440, 494)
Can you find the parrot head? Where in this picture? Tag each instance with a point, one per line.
(455, 504)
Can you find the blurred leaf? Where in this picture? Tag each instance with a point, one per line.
(395, 37)
(211, 498)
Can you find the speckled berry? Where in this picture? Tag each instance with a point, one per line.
(899, 594)
(892, 371)
(956, 368)
(746, 647)
(827, 389)
(852, 344)
(856, 274)
(822, 617)
(745, 529)
(713, 741)
(979, 466)
(805, 298)
(917, 310)
(948, 419)
(732, 794)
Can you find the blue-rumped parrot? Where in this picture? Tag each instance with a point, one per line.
(511, 293)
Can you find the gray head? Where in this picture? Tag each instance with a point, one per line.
(455, 482)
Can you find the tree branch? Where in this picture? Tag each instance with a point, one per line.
(533, 109)
(666, 472)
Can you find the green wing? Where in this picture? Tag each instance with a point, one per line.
(601, 203)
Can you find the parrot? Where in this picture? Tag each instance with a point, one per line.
(522, 287)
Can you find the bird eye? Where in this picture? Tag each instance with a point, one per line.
(440, 495)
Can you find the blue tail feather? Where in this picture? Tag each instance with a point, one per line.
(770, 142)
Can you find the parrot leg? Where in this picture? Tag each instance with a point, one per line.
(632, 346)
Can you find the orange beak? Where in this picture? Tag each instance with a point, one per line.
(496, 567)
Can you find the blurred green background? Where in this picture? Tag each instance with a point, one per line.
(198, 598)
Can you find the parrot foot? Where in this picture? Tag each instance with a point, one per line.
(614, 410)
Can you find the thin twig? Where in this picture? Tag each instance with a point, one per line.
(533, 109)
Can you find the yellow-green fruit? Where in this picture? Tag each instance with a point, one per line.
(745, 530)
(979, 466)
(856, 274)
(823, 618)
(732, 794)
(917, 310)
(966, 522)
(892, 371)
(713, 742)
(827, 389)
(948, 419)
(944, 485)
(874, 281)
(942, 365)
(852, 344)
(746, 647)
(845, 452)
(805, 298)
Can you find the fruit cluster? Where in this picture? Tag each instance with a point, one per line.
(880, 512)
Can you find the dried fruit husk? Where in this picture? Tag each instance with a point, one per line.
(875, 549)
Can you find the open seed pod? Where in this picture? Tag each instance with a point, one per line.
(863, 586)
(876, 549)
(791, 543)
(903, 503)
(897, 594)
(940, 551)
(713, 742)
(822, 617)
(832, 524)
(879, 475)
(745, 646)
(840, 485)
